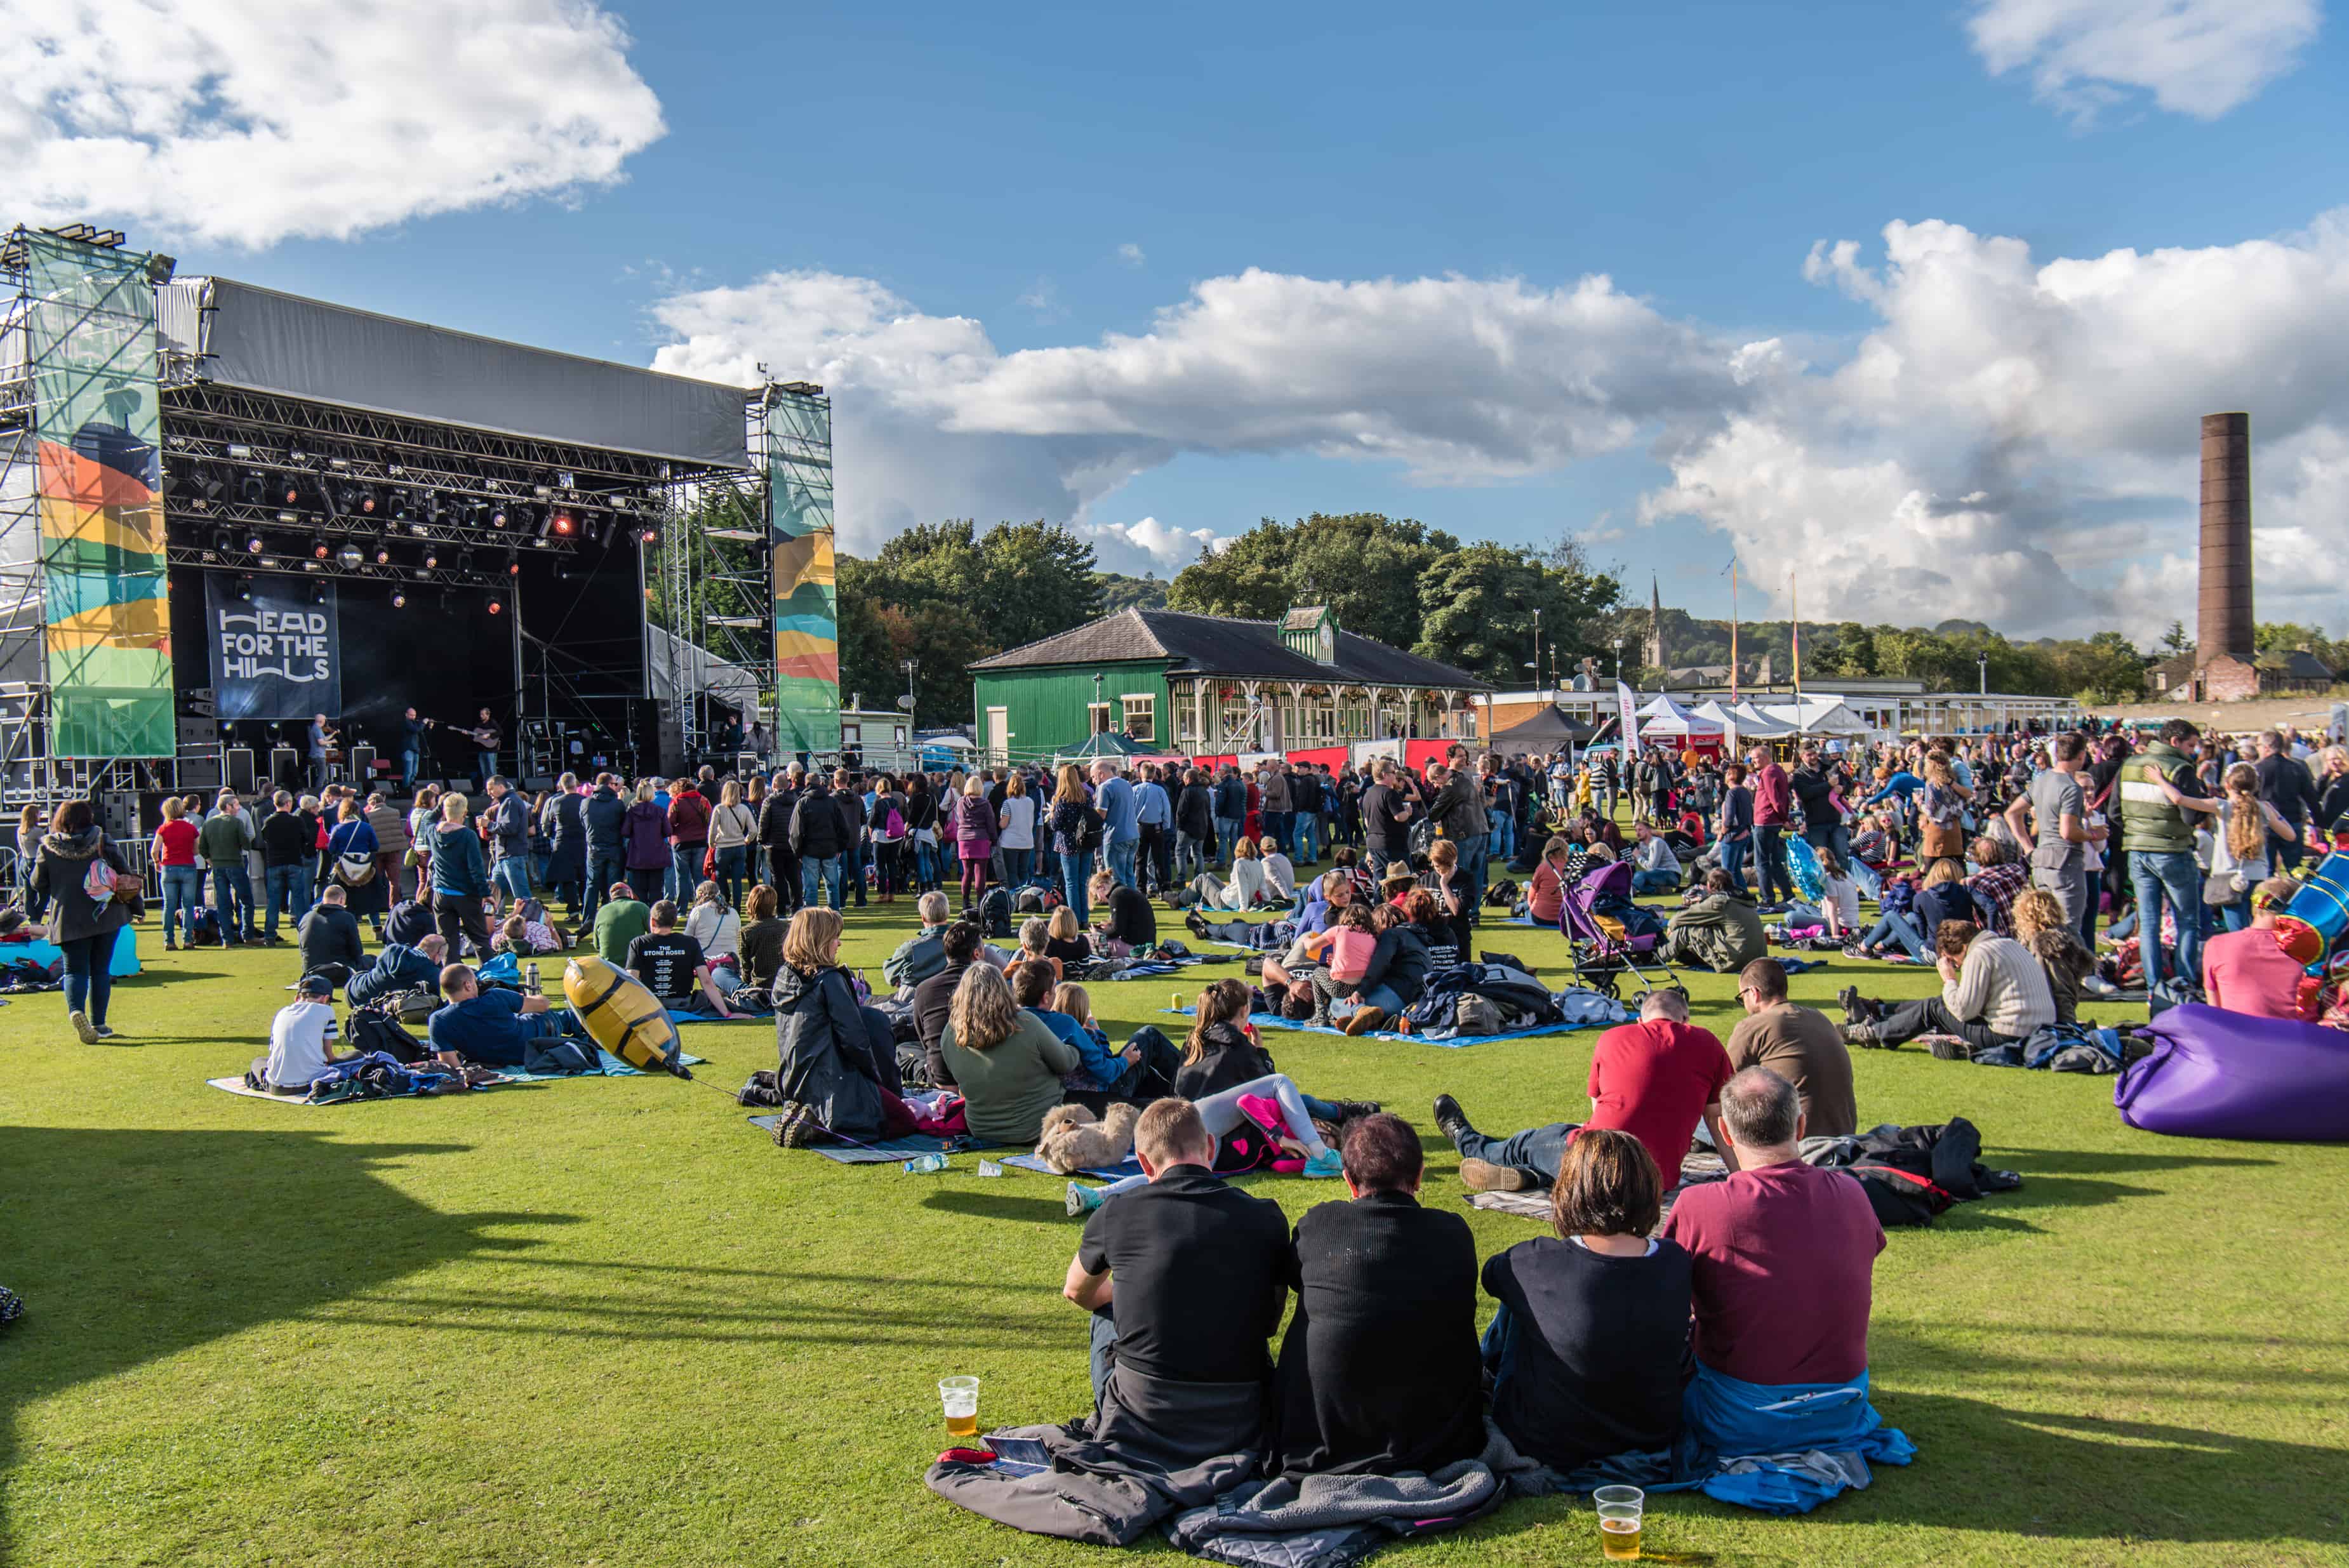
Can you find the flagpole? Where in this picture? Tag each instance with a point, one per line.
(1733, 629)
(1795, 598)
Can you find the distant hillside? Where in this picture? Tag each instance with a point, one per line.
(1119, 592)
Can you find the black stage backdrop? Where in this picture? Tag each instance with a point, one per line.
(578, 659)
(276, 654)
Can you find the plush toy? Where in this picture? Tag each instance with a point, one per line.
(1074, 1141)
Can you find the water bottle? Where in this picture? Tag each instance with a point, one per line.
(530, 978)
(990, 1168)
(924, 1164)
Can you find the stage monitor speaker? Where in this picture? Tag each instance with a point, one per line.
(536, 782)
(198, 732)
(200, 771)
(284, 768)
(746, 763)
(118, 812)
(362, 765)
(239, 762)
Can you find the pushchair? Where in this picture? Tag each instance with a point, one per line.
(1601, 957)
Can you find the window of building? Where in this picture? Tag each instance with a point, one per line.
(1141, 716)
(1097, 717)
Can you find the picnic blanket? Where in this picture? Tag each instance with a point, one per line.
(883, 1150)
(612, 1067)
(1332, 1521)
(678, 1015)
(1695, 1169)
(1299, 1026)
(1131, 1167)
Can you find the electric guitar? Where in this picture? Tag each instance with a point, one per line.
(487, 739)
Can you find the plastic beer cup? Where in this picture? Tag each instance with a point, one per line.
(960, 1397)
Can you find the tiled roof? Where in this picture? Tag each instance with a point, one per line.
(1221, 645)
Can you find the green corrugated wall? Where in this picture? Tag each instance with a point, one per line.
(1047, 708)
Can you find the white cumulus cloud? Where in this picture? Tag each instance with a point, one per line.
(246, 122)
(1164, 546)
(2199, 58)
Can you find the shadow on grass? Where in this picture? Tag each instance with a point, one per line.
(2102, 1163)
(131, 1245)
(1034, 1210)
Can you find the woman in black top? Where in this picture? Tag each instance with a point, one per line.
(761, 944)
(1590, 1349)
(1735, 825)
(1067, 941)
(1455, 902)
(75, 878)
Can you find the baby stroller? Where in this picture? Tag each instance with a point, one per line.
(1601, 957)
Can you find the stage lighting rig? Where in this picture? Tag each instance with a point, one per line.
(351, 557)
(400, 598)
(253, 543)
(244, 590)
(496, 604)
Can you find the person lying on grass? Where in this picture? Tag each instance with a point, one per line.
(494, 1026)
(1655, 1079)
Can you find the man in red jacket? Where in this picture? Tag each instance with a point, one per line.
(1773, 802)
(689, 836)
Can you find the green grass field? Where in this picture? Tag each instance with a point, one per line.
(606, 1322)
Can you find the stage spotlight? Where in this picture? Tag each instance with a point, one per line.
(351, 557)
(402, 509)
(513, 564)
(649, 534)
(317, 593)
(289, 492)
(211, 490)
(298, 455)
(254, 487)
(400, 598)
(563, 523)
(546, 525)
(319, 548)
(497, 605)
(244, 590)
(497, 514)
(224, 541)
(253, 545)
(465, 562)
(383, 551)
(431, 558)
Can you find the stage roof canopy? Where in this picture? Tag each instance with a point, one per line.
(264, 341)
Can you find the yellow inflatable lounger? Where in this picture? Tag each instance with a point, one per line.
(625, 1018)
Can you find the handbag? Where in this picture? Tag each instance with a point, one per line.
(2222, 888)
(353, 871)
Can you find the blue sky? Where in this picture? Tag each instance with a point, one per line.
(1067, 175)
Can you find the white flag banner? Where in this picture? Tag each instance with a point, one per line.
(1628, 706)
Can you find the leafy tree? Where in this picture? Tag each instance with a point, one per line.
(1119, 592)
(1477, 608)
(2175, 641)
(1365, 566)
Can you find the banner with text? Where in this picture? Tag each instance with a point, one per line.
(275, 655)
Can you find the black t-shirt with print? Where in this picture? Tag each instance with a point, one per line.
(664, 961)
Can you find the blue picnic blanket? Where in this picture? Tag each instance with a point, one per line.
(1131, 1167)
(610, 1065)
(884, 1150)
(1454, 1042)
(678, 1015)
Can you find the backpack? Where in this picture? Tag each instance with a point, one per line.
(995, 910)
(1501, 894)
(1473, 1015)
(1089, 831)
(1030, 901)
(373, 1028)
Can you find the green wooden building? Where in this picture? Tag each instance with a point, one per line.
(1210, 686)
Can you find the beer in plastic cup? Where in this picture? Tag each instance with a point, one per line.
(1620, 1510)
(960, 1397)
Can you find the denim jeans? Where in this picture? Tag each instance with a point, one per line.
(1645, 883)
(1777, 881)
(408, 763)
(826, 873)
(232, 900)
(1504, 838)
(603, 871)
(1076, 873)
(852, 872)
(1227, 833)
(1190, 858)
(685, 865)
(289, 887)
(1383, 997)
(512, 874)
(1475, 863)
(183, 888)
(1019, 865)
(1308, 833)
(2167, 875)
(1104, 1350)
(1836, 838)
(485, 767)
(1280, 825)
(1898, 929)
(1537, 1150)
(1120, 862)
(90, 973)
(1732, 860)
(733, 868)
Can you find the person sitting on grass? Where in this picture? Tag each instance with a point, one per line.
(2245, 971)
(1994, 887)
(1245, 890)
(1035, 939)
(1008, 1065)
(1064, 942)
(1718, 930)
(1378, 1372)
(1034, 986)
(400, 967)
(1655, 1078)
(1782, 1268)
(1994, 993)
(1800, 1044)
(1130, 918)
(494, 1026)
(836, 1064)
(670, 965)
(622, 918)
(329, 939)
(1589, 1345)
(764, 931)
(298, 1054)
(1654, 868)
(1546, 890)
(924, 954)
(1186, 1281)
(2055, 942)
(934, 997)
(1397, 972)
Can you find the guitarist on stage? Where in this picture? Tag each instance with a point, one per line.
(487, 736)
(325, 741)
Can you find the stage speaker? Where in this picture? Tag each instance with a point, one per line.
(746, 763)
(239, 762)
(284, 768)
(199, 733)
(199, 771)
(362, 765)
(118, 812)
(534, 785)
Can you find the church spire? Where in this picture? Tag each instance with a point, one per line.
(1654, 652)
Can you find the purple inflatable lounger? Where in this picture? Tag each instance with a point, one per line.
(2216, 1074)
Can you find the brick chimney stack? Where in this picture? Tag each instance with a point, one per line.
(2223, 620)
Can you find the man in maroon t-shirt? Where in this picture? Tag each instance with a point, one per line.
(1773, 802)
(1654, 1079)
(1783, 1252)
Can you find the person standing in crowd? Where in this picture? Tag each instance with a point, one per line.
(1195, 828)
(1773, 800)
(2289, 789)
(174, 853)
(731, 829)
(564, 824)
(1387, 814)
(602, 817)
(1015, 821)
(819, 843)
(83, 877)
(288, 844)
(2162, 798)
(411, 747)
(775, 829)
(1231, 811)
(975, 831)
(688, 836)
(1458, 811)
(1734, 829)
(355, 866)
(645, 840)
(1076, 835)
(224, 841)
(1154, 810)
(460, 880)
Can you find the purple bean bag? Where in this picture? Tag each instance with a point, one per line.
(2216, 1074)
